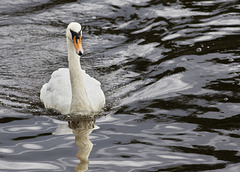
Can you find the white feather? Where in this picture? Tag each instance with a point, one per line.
(57, 93)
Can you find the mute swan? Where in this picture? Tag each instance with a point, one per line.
(72, 91)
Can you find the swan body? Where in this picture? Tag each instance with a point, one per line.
(72, 91)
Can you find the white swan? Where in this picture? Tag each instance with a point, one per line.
(72, 91)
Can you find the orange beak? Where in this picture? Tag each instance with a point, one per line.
(78, 45)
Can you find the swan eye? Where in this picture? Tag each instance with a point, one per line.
(73, 33)
(76, 34)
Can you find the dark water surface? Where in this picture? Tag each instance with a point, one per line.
(170, 70)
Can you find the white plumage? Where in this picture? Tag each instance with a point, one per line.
(72, 90)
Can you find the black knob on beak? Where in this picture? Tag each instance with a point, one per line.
(80, 53)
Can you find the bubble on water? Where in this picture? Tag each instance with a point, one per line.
(225, 99)
(230, 59)
(208, 47)
(199, 50)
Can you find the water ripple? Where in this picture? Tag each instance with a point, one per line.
(170, 71)
(27, 166)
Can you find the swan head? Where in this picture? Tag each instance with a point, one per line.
(74, 33)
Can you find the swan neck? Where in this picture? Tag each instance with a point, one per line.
(80, 101)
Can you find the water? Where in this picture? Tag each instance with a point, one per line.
(169, 69)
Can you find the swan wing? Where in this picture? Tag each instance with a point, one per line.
(94, 92)
(57, 92)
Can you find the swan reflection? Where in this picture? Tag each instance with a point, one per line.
(81, 129)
